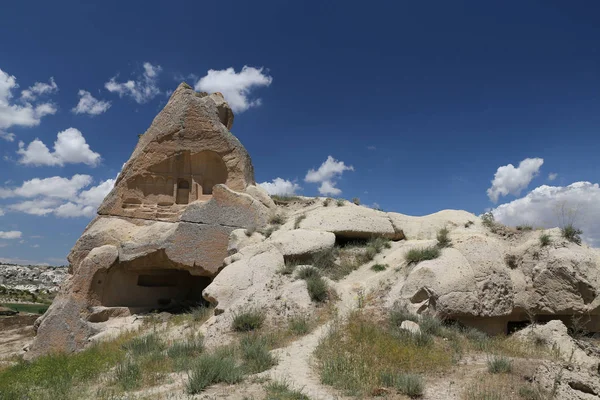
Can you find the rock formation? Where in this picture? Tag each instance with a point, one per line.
(163, 231)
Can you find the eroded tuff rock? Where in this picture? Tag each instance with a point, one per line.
(162, 233)
(32, 278)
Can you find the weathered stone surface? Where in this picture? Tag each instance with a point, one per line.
(261, 195)
(351, 221)
(302, 242)
(238, 239)
(185, 152)
(410, 326)
(426, 227)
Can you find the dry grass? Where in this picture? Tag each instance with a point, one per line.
(357, 355)
(502, 387)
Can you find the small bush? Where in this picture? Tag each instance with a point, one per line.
(299, 325)
(248, 320)
(524, 228)
(213, 368)
(128, 375)
(317, 288)
(488, 220)
(572, 234)
(327, 201)
(417, 255)
(277, 219)
(186, 347)
(308, 272)
(401, 314)
(442, 238)
(379, 243)
(282, 391)
(545, 239)
(499, 365)
(340, 202)
(256, 355)
(379, 267)
(511, 261)
(479, 339)
(410, 385)
(144, 345)
(432, 325)
(469, 223)
(356, 201)
(288, 267)
(269, 231)
(299, 219)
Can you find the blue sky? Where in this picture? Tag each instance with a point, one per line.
(427, 102)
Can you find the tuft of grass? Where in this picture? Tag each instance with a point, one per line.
(469, 223)
(277, 219)
(410, 385)
(250, 230)
(480, 340)
(499, 365)
(145, 345)
(488, 220)
(511, 261)
(379, 267)
(432, 325)
(213, 368)
(308, 272)
(443, 239)
(571, 233)
(340, 202)
(256, 355)
(128, 375)
(248, 320)
(269, 231)
(282, 391)
(184, 352)
(299, 325)
(524, 228)
(356, 201)
(317, 288)
(545, 239)
(299, 219)
(400, 314)
(289, 267)
(327, 201)
(356, 355)
(417, 255)
(285, 199)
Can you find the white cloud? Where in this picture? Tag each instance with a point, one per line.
(39, 89)
(75, 210)
(550, 206)
(328, 188)
(95, 195)
(56, 186)
(552, 176)
(23, 114)
(143, 89)
(88, 104)
(280, 187)
(9, 137)
(331, 168)
(511, 180)
(235, 87)
(69, 147)
(10, 235)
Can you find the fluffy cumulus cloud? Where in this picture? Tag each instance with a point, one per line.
(10, 234)
(235, 86)
(39, 89)
(90, 105)
(70, 147)
(511, 180)
(330, 170)
(551, 206)
(9, 137)
(280, 187)
(25, 111)
(143, 89)
(63, 197)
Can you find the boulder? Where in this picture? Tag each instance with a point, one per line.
(302, 242)
(427, 227)
(4, 311)
(411, 327)
(238, 239)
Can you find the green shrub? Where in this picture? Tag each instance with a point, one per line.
(248, 320)
(256, 355)
(379, 243)
(282, 391)
(524, 228)
(128, 375)
(327, 201)
(184, 352)
(308, 272)
(410, 385)
(379, 267)
(289, 267)
(417, 255)
(469, 223)
(299, 325)
(545, 239)
(299, 219)
(401, 314)
(488, 220)
(442, 238)
(145, 345)
(277, 219)
(499, 365)
(571, 233)
(213, 368)
(340, 202)
(317, 288)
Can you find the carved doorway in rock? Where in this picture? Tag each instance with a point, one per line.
(183, 191)
(208, 170)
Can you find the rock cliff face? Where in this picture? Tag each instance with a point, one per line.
(162, 233)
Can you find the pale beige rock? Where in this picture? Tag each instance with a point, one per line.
(238, 239)
(261, 195)
(352, 221)
(427, 227)
(410, 326)
(302, 242)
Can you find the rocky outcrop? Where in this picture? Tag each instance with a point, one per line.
(32, 278)
(162, 233)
